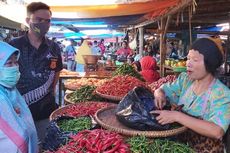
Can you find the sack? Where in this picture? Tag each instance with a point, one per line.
(134, 110)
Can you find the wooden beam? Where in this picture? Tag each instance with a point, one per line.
(162, 50)
(166, 26)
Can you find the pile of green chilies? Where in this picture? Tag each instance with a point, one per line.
(76, 124)
(141, 144)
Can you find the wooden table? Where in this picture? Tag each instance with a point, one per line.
(91, 74)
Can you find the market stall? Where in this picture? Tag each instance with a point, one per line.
(106, 133)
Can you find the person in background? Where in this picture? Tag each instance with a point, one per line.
(156, 56)
(173, 53)
(124, 51)
(137, 66)
(137, 56)
(148, 68)
(96, 50)
(130, 60)
(102, 46)
(84, 49)
(70, 56)
(111, 48)
(17, 130)
(205, 99)
(40, 63)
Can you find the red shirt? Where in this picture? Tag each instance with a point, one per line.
(124, 51)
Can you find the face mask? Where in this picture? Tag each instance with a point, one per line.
(40, 29)
(9, 76)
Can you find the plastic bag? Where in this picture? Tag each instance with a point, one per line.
(134, 110)
(55, 137)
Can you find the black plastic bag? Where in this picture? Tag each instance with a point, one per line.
(134, 111)
(55, 137)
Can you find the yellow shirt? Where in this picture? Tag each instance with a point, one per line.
(84, 49)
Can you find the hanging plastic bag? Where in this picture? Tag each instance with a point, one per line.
(134, 110)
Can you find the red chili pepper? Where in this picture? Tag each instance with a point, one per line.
(89, 147)
(116, 146)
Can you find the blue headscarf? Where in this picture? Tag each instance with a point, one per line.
(15, 114)
(6, 51)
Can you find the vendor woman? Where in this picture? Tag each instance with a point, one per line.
(206, 110)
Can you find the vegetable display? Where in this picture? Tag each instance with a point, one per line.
(95, 141)
(76, 124)
(141, 144)
(127, 69)
(83, 109)
(65, 72)
(119, 85)
(74, 84)
(84, 93)
(155, 85)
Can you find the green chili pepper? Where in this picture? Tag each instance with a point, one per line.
(75, 125)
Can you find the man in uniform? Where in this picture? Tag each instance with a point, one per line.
(40, 63)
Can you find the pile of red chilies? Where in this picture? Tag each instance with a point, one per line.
(119, 85)
(85, 108)
(96, 141)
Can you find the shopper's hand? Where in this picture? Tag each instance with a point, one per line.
(165, 116)
(160, 99)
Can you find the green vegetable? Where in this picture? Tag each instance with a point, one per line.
(75, 125)
(84, 93)
(127, 69)
(141, 144)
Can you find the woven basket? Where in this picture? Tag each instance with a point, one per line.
(91, 59)
(67, 100)
(107, 119)
(109, 97)
(59, 112)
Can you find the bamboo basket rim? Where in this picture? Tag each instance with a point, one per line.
(133, 132)
(114, 98)
(66, 99)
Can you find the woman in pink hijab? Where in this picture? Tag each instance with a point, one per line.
(148, 69)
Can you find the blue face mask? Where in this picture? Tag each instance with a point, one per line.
(9, 76)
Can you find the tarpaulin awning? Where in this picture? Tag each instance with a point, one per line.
(116, 15)
(7, 23)
(113, 10)
(122, 14)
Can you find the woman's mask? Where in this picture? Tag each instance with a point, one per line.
(40, 29)
(9, 76)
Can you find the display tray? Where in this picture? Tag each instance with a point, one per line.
(106, 118)
(179, 69)
(109, 97)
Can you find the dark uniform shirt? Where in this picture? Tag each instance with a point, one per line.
(37, 68)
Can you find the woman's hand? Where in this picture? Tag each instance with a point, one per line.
(160, 99)
(166, 117)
